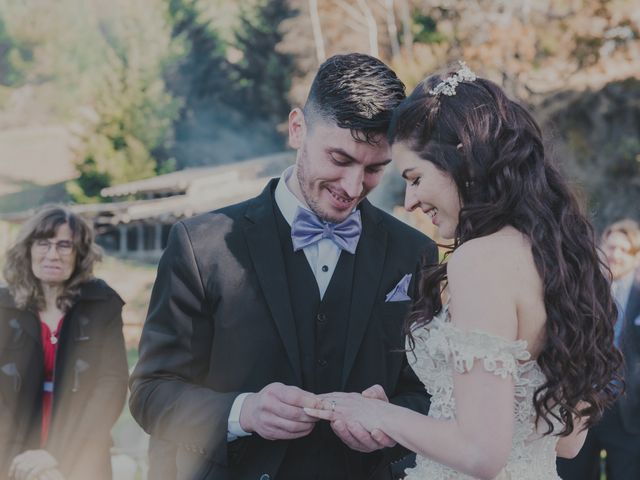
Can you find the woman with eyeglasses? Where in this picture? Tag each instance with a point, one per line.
(63, 367)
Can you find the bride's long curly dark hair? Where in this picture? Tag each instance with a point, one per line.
(504, 178)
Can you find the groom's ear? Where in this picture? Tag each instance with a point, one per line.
(297, 128)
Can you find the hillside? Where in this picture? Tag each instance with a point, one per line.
(34, 163)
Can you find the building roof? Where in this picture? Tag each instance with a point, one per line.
(198, 190)
(180, 181)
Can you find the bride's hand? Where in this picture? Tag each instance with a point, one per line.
(376, 391)
(348, 426)
(350, 408)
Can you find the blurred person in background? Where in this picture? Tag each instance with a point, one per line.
(618, 433)
(63, 366)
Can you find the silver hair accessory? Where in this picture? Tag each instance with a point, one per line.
(449, 84)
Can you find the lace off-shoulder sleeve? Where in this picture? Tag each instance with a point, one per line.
(498, 355)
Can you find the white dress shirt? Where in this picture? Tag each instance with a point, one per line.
(322, 256)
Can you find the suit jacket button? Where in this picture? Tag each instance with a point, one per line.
(321, 317)
(322, 362)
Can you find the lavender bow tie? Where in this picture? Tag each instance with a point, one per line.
(308, 229)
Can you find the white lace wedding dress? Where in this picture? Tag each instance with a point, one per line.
(440, 349)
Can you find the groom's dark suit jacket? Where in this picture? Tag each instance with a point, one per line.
(234, 309)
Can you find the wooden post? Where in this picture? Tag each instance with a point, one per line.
(157, 239)
(122, 228)
(140, 237)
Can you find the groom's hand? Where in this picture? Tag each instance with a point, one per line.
(355, 436)
(276, 412)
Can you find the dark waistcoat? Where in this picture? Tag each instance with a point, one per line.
(321, 327)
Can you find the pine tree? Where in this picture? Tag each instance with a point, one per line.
(201, 78)
(202, 72)
(264, 73)
(218, 123)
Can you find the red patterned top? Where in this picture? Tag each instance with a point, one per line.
(49, 347)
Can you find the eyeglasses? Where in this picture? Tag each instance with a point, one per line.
(63, 247)
(611, 249)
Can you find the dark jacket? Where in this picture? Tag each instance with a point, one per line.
(629, 402)
(221, 322)
(90, 379)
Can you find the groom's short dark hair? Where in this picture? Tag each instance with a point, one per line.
(355, 91)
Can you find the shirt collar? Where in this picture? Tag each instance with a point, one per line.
(287, 202)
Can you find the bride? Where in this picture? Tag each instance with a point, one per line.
(520, 361)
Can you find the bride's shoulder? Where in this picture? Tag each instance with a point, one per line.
(497, 260)
(482, 279)
(505, 248)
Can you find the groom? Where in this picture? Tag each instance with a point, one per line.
(302, 290)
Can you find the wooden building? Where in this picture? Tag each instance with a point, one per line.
(135, 222)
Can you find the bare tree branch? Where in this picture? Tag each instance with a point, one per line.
(407, 35)
(392, 28)
(317, 30)
(372, 25)
(353, 12)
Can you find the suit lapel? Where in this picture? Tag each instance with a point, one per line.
(264, 247)
(370, 258)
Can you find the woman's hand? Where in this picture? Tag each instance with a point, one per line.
(352, 432)
(33, 465)
(351, 408)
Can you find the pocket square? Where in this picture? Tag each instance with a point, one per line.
(636, 321)
(399, 292)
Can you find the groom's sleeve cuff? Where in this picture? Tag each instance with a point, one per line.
(234, 430)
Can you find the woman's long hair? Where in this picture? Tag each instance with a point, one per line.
(23, 285)
(504, 178)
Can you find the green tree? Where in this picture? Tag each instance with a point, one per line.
(132, 112)
(15, 57)
(57, 49)
(201, 71)
(215, 125)
(199, 77)
(264, 72)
